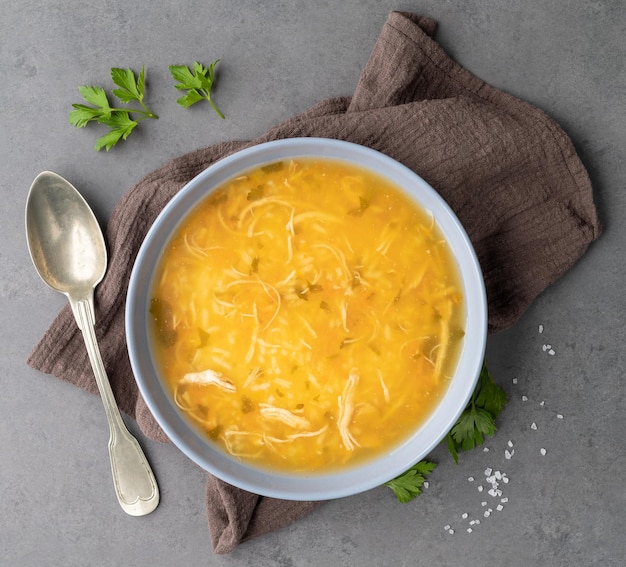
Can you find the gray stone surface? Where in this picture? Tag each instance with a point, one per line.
(565, 508)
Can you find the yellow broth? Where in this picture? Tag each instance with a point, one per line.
(307, 315)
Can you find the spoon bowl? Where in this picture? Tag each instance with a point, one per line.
(64, 238)
(68, 250)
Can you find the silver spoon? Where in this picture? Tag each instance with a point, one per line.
(68, 250)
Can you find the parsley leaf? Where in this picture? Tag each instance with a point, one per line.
(121, 126)
(197, 82)
(479, 417)
(119, 121)
(130, 89)
(490, 396)
(472, 426)
(95, 96)
(409, 484)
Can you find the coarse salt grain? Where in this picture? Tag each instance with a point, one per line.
(483, 503)
(487, 513)
(426, 484)
(505, 479)
(464, 515)
(540, 329)
(559, 416)
(542, 403)
(470, 478)
(543, 451)
(510, 443)
(451, 531)
(498, 475)
(486, 450)
(488, 472)
(508, 454)
(514, 380)
(480, 488)
(447, 527)
(504, 500)
(551, 352)
(524, 398)
(533, 426)
(469, 530)
(499, 507)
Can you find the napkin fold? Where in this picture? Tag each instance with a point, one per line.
(508, 171)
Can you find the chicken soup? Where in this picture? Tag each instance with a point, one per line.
(307, 315)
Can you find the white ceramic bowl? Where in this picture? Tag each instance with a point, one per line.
(316, 486)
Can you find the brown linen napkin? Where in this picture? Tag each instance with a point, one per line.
(508, 171)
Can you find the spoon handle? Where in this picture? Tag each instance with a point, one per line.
(135, 485)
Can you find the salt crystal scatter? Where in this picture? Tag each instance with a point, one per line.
(533, 426)
(543, 451)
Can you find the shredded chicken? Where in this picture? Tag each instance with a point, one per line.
(307, 433)
(209, 377)
(346, 411)
(287, 417)
(383, 386)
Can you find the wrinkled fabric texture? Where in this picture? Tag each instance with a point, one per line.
(508, 171)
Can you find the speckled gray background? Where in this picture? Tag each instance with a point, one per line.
(279, 57)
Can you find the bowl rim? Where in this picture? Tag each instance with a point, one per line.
(315, 486)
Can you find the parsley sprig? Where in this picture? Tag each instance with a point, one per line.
(120, 123)
(198, 83)
(477, 421)
(479, 417)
